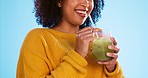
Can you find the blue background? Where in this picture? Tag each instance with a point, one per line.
(127, 19)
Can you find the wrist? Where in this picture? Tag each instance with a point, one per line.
(110, 68)
(81, 53)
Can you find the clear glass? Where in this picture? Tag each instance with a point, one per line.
(100, 45)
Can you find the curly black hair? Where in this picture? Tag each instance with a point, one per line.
(48, 14)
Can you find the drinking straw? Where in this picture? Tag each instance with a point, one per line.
(110, 32)
(93, 25)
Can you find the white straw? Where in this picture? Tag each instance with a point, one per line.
(110, 32)
(93, 25)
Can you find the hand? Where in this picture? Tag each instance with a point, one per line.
(111, 65)
(83, 39)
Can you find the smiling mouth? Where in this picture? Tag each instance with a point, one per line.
(82, 13)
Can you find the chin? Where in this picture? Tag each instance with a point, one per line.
(80, 23)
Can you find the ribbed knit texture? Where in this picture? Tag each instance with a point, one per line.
(47, 53)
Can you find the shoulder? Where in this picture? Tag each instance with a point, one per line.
(42, 34)
(39, 32)
(37, 36)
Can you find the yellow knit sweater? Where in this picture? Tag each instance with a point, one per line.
(47, 53)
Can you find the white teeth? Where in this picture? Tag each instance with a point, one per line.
(82, 12)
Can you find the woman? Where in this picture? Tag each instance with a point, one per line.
(60, 50)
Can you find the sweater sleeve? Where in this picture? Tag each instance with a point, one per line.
(72, 65)
(33, 62)
(117, 73)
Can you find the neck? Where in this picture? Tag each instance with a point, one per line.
(66, 28)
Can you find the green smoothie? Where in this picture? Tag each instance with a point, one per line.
(100, 48)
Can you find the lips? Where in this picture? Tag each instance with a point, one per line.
(82, 13)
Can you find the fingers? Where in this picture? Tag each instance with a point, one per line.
(110, 65)
(114, 41)
(86, 34)
(111, 62)
(88, 30)
(116, 49)
(113, 55)
(83, 39)
(84, 31)
(103, 62)
(97, 30)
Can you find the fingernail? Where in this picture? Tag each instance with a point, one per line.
(99, 62)
(91, 31)
(108, 54)
(110, 47)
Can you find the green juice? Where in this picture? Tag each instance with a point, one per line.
(100, 48)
